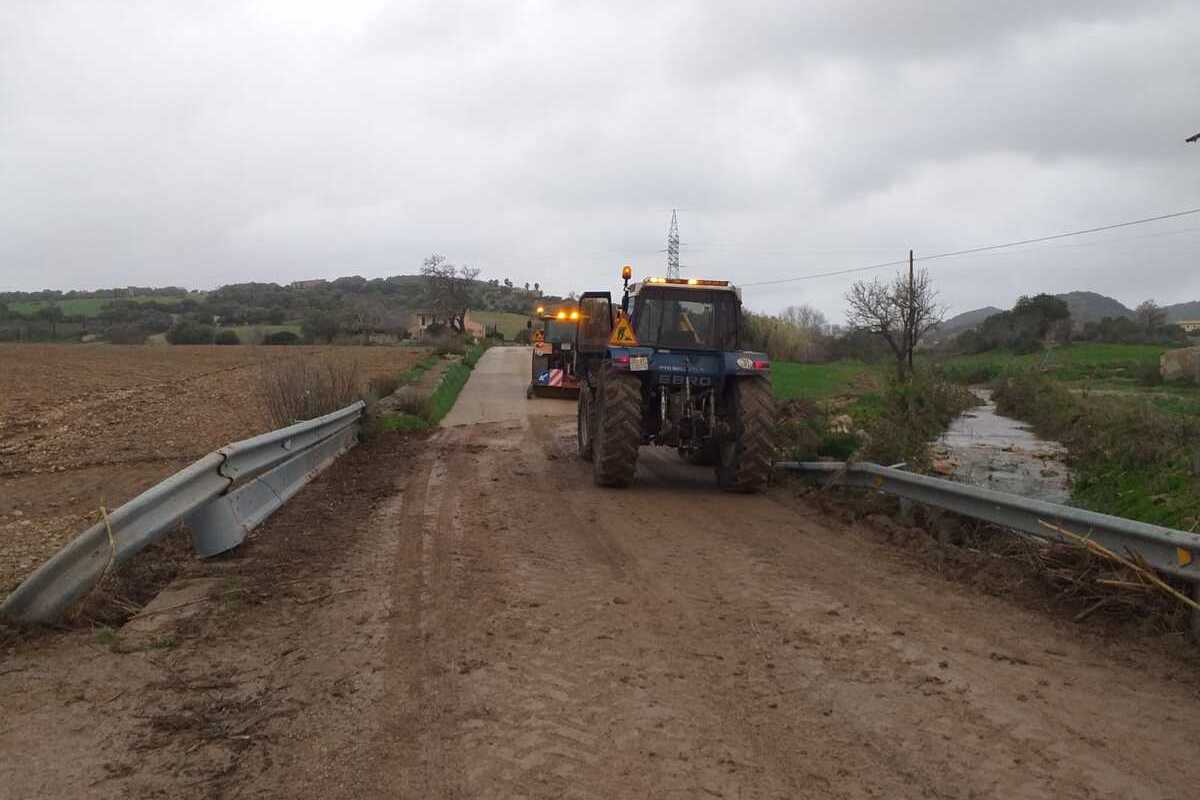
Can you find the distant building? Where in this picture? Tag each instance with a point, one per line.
(421, 319)
(1190, 326)
(309, 284)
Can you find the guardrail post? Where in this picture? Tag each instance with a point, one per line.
(1196, 612)
(906, 511)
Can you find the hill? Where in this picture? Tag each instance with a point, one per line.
(965, 321)
(1093, 307)
(1084, 306)
(1183, 311)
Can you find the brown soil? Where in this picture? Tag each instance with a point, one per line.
(84, 426)
(468, 616)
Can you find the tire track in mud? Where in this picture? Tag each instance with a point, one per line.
(931, 704)
(672, 640)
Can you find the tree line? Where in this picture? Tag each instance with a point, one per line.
(324, 310)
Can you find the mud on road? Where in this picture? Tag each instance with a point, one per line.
(472, 618)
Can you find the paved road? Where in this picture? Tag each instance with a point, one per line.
(502, 628)
(496, 391)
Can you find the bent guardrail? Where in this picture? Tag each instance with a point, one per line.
(220, 498)
(1167, 550)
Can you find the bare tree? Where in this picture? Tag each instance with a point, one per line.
(901, 312)
(449, 290)
(806, 318)
(1150, 315)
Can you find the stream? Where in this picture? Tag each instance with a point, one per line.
(987, 449)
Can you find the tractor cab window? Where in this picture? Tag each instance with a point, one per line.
(686, 319)
(558, 330)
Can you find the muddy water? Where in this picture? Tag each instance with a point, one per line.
(986, 449)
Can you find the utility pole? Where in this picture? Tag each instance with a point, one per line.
(911, 322)
(673, 247)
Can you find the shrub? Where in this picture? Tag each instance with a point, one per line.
(187, 332)
(473, 353)
(808, 431)
(227, 337)
(126, 334)
(1149, 374)
(382, 386)
(1026, 344)
(281, 337)
(320, 326)
(411, 402)
(300, 388)
(800, 429)
(912, 414)
(449, 344)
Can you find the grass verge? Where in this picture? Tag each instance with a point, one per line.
(438, 405)
(1131, 457)
(894, 424)
(413, 374)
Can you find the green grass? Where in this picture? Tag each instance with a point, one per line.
(404, 423)
(1182, 402)
(414, 373)
(822, 381)
(1114, 364)
(247, 332)
(1130, 457)
(442, 399)
(508, 323)
(91, 306)
(454, 378)
(473, 354)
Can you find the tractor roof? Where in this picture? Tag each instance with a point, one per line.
(684, 283)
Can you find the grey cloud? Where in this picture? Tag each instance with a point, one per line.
(210, 143)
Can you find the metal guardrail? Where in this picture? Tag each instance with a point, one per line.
(220, 499)
(1167, 550)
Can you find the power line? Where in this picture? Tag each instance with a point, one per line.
(973, 250)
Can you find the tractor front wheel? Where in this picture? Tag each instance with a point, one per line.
(617, 434)
(746, 449)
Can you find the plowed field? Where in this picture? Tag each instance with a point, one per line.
(84, 426)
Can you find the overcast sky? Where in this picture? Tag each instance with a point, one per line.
(202, 143)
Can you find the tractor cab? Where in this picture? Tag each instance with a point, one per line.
(553, 338)
(684, 314)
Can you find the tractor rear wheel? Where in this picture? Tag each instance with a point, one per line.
(585, 424)
(744, 455)
(617, 434)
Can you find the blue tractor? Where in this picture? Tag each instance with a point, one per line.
(666, 368)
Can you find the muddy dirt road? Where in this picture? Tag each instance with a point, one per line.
(489, 624)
